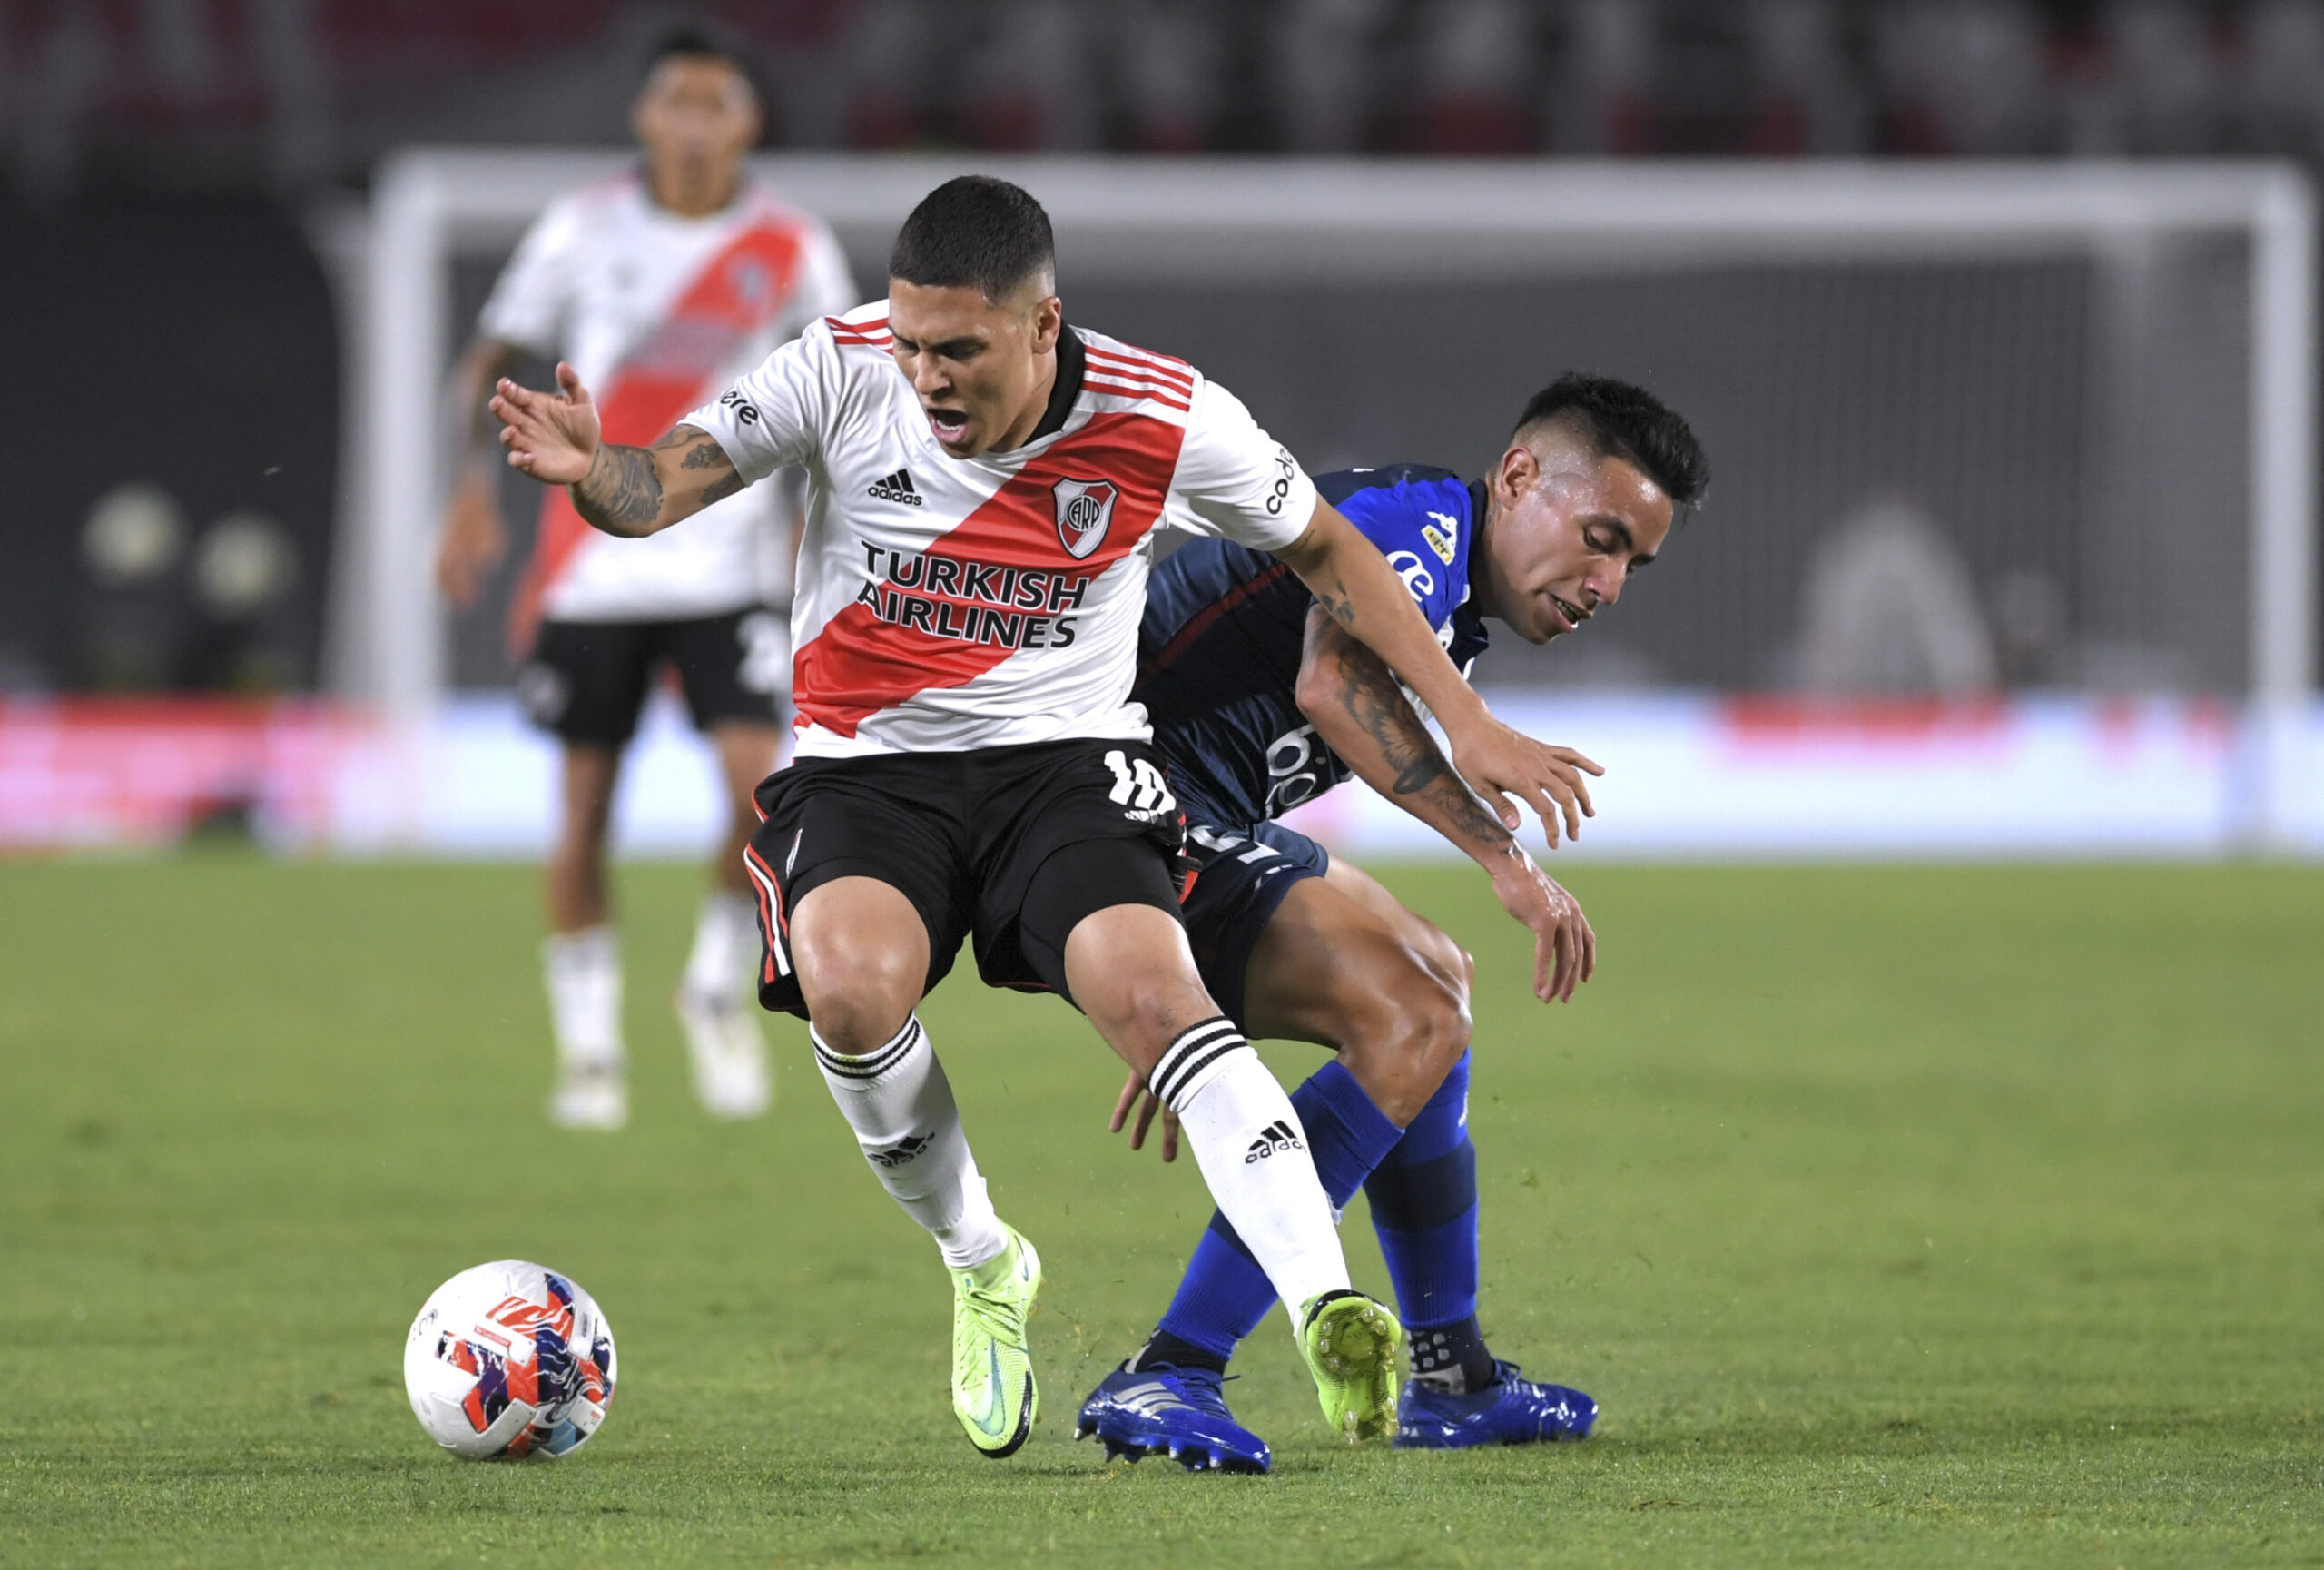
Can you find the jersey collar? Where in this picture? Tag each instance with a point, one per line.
(1470, 633)
(1479, 499)
(1072, 363)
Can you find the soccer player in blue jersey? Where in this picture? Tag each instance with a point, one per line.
(1259, 702)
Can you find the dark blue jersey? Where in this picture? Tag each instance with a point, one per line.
(1218, 650)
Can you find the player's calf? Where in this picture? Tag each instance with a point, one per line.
(1129, 968)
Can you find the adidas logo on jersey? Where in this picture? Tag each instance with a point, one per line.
(903, 1151)
(897, 486)
(1278, 1137)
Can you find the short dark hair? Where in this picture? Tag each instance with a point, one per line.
(1626, 422)
(974, 230)
(700, 42)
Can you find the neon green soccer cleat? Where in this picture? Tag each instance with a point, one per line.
(994, 1393)
(1351, 1342)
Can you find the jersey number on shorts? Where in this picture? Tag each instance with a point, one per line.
(1138, 786)
(1212, 840)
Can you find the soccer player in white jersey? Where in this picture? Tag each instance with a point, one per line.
(659, 286)
(984, 483)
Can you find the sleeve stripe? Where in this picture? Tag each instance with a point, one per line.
(1135, 379)
(1147, 356)
(1144, 364)
(1091, 383)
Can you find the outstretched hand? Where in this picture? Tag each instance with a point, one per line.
(1500, 763)
(551, 436)
(1136, 1094)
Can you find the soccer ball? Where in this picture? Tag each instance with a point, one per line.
(509, 1360)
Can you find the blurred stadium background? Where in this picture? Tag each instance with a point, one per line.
(1996, 317)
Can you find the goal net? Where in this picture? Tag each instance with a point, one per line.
(1974, 428)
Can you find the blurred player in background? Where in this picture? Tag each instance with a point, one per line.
(983, 482)
(1259, 702)
(660, 285)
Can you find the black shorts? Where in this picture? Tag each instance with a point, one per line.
(587, 680)
(1240, 876)
(1013, 845)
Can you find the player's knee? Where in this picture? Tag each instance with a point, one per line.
(1439, 1029)
(1414, 1028)
(1454, 966)
(1144, 1007)
(858, 995)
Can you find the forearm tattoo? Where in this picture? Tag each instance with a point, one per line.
(1379, 708)
(621, 492)
(1335, 600)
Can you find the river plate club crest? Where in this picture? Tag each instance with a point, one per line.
(1085, 509)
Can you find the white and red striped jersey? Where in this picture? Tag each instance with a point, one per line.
(945, 604)
(656, 312)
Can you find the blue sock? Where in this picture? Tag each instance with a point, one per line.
(1224, 1294)
(1425, 1206)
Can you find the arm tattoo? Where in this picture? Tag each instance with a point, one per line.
(701, 450)
(621, 492)
(1380, 709)
(1335, 600)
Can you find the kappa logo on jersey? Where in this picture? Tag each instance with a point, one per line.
(1085, 509)
(1277, 1138)
(897, 486)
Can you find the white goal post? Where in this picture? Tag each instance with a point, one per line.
(1409, 221)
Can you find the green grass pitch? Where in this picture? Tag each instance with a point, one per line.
(1896, 1216)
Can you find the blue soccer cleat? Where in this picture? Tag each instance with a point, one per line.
(1181, 1412)
(1508, 1411)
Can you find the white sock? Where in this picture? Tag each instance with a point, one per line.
(726, 945)
(1237, 1117)
(584, 974)
(900, 1105)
